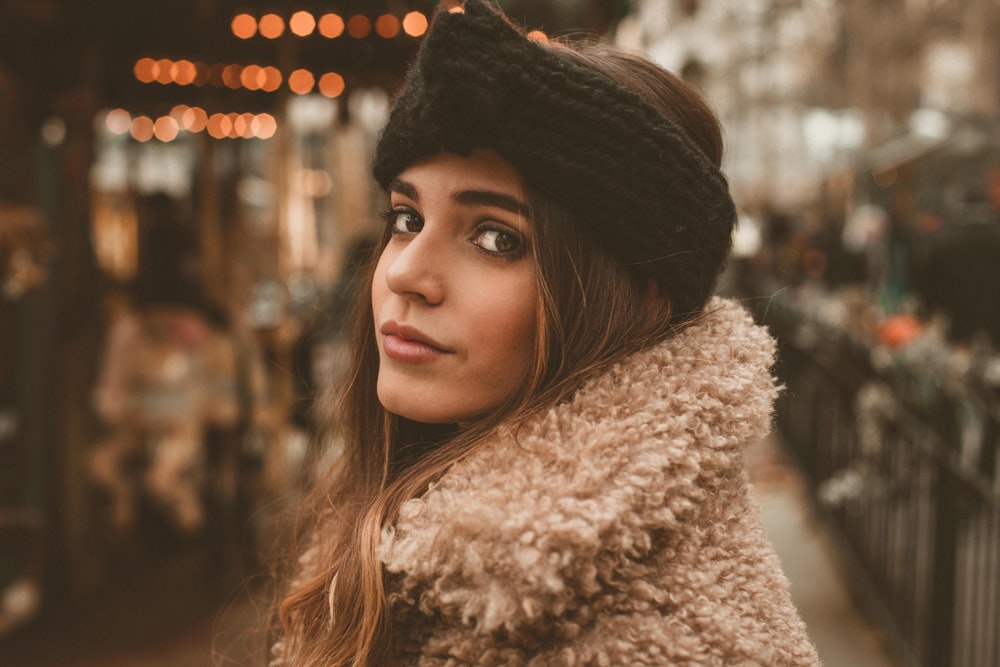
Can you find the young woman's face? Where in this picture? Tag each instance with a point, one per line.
(454, 293)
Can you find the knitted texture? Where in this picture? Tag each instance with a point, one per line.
(616, 529)
(628, 174)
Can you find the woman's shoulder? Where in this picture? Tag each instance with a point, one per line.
(708, 386)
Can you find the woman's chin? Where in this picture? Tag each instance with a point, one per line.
(424, 412)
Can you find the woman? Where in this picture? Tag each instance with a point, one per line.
(542, 429)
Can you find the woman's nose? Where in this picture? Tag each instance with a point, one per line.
(416, 270)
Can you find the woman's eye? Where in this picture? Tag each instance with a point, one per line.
(403, 221)
(499, 242)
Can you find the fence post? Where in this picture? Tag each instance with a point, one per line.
(946, 529)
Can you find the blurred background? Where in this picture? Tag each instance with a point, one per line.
(184, 193)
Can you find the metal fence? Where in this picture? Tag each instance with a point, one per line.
(902, 459)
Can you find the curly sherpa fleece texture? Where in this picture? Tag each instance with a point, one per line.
(615, 529)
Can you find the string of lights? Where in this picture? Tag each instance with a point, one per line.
(253, 77)
(332, 26)
(192, 119)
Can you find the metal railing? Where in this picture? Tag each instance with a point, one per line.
(902, 459)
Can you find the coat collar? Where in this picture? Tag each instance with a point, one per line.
(509, 530)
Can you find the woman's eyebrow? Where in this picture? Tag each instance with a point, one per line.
(490, 198)
(404, 188)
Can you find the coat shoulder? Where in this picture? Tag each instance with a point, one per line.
(617, 524)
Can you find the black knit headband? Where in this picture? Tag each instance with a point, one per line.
(627, 173)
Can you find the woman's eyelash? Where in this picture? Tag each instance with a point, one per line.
(500, 235)
(389, 214)
(392, 218)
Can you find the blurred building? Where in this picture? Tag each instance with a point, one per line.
(803, 85)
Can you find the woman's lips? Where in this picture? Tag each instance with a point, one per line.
(405, 343)
(396, 347)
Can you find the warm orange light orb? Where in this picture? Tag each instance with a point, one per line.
(146, 70)
(251, 77)
(184, 72)
(331, 26)
(163, 73)
(194, 120)
(301, 81)
(165, 128)
(142, 128)
(219, 126)
(331, 84)
(240, 125)
(244, 26)
(387, 26)
(177, 113)
(302, 23)
(271, 79)
(414, 24)
(271, 26)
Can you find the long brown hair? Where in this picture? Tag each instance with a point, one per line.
(591, 312)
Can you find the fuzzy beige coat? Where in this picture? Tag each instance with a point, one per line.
(615, 529)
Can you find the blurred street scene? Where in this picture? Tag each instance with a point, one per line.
(185, 196)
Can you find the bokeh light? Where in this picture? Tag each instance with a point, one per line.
(145, 70)
(331, 84)
(194, 120)
(414, 24)
(331, 26)
(244, 26)
(234, 121)
(264, 126)
(243, 125)
(301, 81)
(271, 79)
(163, 74)
(271, 26)
(177, 113)
(231, 76)
(387, 26)
(252, 77)
(183, 72)
(359, 26)
(218, 126)
(142, 128)
(302, 23)
(165, 128)
(118, 121)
